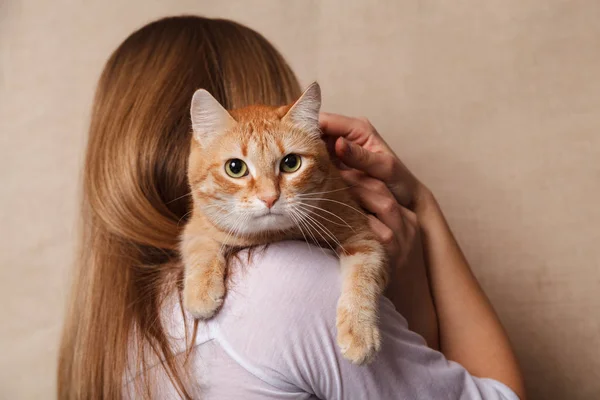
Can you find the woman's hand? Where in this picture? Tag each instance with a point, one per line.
(385, 187)
(358, 145)
(396, 226)
(380, 182)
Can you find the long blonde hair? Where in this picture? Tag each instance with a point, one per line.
(135, 199)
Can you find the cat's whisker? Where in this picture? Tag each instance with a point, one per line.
(303, 223)
(219, 216)
(328, 212)
(232, 231)
(314, 214)
(308, 229)
(220, 208)
(312, 228)
(222, 204)
(238, 228)
(324, 229)
(245, 217)
(319, 232)
(294, 218)
(219, 211)
(180, 197)
(330, 234)
(183, 216)
(214, 206)
(327, 191)
(337, 202)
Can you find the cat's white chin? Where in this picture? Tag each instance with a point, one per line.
(267, 223)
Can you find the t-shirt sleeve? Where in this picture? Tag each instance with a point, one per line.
(284, 303)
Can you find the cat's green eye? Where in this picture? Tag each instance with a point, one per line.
(236, 168)
(291, 163)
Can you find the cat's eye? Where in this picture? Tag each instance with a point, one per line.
(236, 168)
(291, 163)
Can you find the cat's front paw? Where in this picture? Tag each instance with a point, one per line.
(203, 296)
(357, 333)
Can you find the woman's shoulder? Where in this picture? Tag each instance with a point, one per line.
(278, 318)
(287, 260)
(290, 268)
(285, 282)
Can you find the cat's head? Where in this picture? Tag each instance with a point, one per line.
(251, 169)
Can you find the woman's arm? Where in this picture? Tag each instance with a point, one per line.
(469, 330)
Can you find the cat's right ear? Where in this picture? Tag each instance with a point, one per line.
(209, 117)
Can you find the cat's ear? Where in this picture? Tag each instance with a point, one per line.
(304, 113)
(209, 117)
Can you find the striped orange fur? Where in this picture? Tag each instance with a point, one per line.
(271, 203)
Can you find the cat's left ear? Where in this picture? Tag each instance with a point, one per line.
(209, 117)
(304, 113)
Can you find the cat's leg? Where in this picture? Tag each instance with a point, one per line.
(364, 278)
(204, 281)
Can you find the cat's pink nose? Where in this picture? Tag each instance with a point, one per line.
(269, 200)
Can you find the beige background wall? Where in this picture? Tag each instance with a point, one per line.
(495, 104)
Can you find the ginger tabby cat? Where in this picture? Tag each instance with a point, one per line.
(263, 174)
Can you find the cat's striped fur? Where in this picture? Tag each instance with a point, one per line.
(309, 204)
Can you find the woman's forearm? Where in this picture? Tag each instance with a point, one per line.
(470, 331)
(411, 294)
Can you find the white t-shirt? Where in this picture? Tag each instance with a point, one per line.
(275, 338)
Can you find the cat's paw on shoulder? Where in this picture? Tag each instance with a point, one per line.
(358, 338)
(202, 298)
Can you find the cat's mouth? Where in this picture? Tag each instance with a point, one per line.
(269, 213)
(268, 221)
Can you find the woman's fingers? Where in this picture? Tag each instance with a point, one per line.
(378, 165)
(375, 197)
(386, 208)
(358, 145)
(385, 235)
(393, 225)
(335, 124)
(339, 125)
(410, 216)
(357, 130)
(397, 188)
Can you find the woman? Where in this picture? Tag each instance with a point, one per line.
(126, 334)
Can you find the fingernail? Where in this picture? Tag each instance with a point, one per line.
(348, 147)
